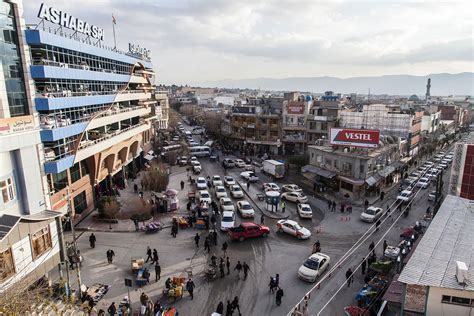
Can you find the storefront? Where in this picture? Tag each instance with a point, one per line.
(323, 180)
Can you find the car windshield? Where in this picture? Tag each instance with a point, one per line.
(228, 179)
(205, 195)
(220, 190)
(312, 264)
(370, 211)
(246, 206)
(227, 203)
(235, 189)
(216, 178)
(306, 209)
(227, 219)
(201, 181)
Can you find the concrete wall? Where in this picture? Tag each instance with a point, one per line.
(436, 308)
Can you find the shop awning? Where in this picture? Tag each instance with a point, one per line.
(352, 180)
(386, 171)
(149, 157)
(373, 179)
(319, 171)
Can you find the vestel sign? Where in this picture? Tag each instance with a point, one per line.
(355, 137)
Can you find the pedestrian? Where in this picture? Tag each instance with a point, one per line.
(235, 305)
(272, 284)
(143, 299)
(349, 277)
(262, 219)
(224, 248)
(279, 295)
(188, 206)
(157, 271)
(182, 185)
(155, 256)
(220, 308)
(92, 240)
(238, 267)
(246, 268)
(382, 195)
(190, 287)
(366, 203)
(174, 231)
(372, 258)
(385, 245)
(221, 268)
(342, 207)
(214, 237)
(277, 280)
(157, 308)
(248, 185)
(377, 224)
(333, 206)
(146, 275)
(206, 245)
(228, 265)
(372, 248)
(110, 256)
(196, 240)
(112, 309)
(283, 206)
(329, 204)
(363, 265)
(135, 188)
(229, 311)
(148, 253)
(213, 221)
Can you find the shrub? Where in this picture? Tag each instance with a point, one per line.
(108, 207)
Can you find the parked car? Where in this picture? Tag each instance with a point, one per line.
(304, 210)
(201, 183)
(248, 230)
(405, 196)
(229, 181)
(297, 197)
(270, 186)
(197, 167)
(245, 209)
(291, 188)
(423, 183)
(204, 196)
(444, 165)
(220, 192)
(239, 163)
(216, 180)
(249, 167)
(371, 214)
(227, 220)
(192, 160)
(183, 161)
(249, 176)
(293, 228)
(313, 267)
(228, 163)
(432, 196)
(226, 204)
(236, 191)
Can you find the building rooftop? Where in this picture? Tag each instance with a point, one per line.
(359, 152)
(449, 238)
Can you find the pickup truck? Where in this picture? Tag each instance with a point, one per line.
(248, 230)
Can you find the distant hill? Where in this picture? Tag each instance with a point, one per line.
(441, 84)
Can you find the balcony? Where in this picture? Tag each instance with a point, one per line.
(294, 138)
(322, 118)
(294, 127)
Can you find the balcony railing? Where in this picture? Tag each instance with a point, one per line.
(69, 93)
(88, 143)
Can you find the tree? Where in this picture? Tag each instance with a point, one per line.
(156, 179)
(108, 207)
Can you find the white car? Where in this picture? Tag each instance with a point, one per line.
(423, 183)
(226, 204)
(229, 181)
(432, 196)
(293, 228)
(291, 188)
(201, 183)
(216, 181)
(405, 196)
(249, 176)
(371, 214)
(305, 211)
(227, 220)
(204, 196)
(444, 165)
(193, 158)
(271, 187)
(220, 192)
(297, 197)
(313, 267)
(239, 163)
(236, 191)
(245, 209)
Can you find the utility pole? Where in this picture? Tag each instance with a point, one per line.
(74, 244)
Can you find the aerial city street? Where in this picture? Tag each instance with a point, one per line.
(140, 184)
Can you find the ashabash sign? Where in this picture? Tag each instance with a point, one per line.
(355, 137)
(136, 50)
(59, 17)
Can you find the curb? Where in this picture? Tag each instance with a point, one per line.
(88, 229)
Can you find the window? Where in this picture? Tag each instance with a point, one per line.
(324, 126)
(59, 181)
(346, 186)
(75, 173)
(7, 267)
(80, 202)
(41, 242)
(361, 169)
(8, 190)
(84, 168)
(457, 300)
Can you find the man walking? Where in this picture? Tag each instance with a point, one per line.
(221, 267)
(214, 237)
(112, 309)
(92, 240)
(246, 268)
(190, 287)
(283, 206)
(148, 253)
(224, 248)
(385, 245)
(196, 240)
(228, 265)
(377, 224)
(349, 277)
(182, 185)
(110, 256)
(155, 256)
(206, 245)
(157, 271)
(262, 219)
(248, 185)
(363, 265)
(372, 248)
(279, 295)
(238, 267)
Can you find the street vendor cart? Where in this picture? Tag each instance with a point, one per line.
(137, 263)
(176, 290)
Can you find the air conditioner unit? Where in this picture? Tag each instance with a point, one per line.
(461, 272)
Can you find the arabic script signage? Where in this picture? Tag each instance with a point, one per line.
(16, 124)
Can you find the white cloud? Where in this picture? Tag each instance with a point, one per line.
(193, 41)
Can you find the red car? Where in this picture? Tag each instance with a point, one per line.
(248, 230)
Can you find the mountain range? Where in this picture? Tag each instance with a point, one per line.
(442, 84)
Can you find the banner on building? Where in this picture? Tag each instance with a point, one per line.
(355, 137)
(16, 124)
(295, 108)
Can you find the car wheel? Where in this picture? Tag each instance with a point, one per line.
(280, 230)
(265, 235)
(241, 238)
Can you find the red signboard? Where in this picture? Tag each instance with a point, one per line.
(295, 108)
(355, 137)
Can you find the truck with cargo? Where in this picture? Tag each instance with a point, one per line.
(274, 168)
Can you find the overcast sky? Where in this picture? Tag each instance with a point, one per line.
(200, 41)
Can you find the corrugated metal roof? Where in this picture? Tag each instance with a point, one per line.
(449, 238)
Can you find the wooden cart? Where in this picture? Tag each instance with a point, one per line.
(137, 263)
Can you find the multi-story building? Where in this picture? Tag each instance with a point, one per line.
(323, 116)
(161, 110)
(430, 122)
(462, 170)
(29, 243)
(437, 280)
(294, 116)
(96, 112)
(390, 120)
